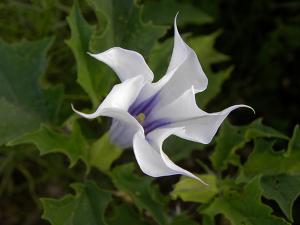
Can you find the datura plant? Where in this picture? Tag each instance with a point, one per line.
(144, 114)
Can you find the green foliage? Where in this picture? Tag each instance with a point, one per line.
(89, 71)
(209, 56)
(192, 190)
(187, 13)
(183, 219)
(244, 207)
(87, 206)
(103, 153)
(285, 161)
(125, 214)
(24, 104)
(140, 191)
(275, 187)
(232, 138)
(48, 141)
(122, 25)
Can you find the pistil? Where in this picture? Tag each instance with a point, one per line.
(140, 118)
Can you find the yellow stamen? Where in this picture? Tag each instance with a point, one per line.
(140, 118)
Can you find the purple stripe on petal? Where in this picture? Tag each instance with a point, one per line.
(145, 106)
(152, 125)
(121, 134)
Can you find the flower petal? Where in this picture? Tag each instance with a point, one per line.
(198, 125)
(121, 133)
(151, 159)
(184, 70)
(183, 107)
(120, 97)
(125, 63)
(203, 128)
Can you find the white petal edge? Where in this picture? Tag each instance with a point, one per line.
(203, 128)
(199, 126)
(181, 108)
(184, 71)
(120, 97)
(125, 63)
(152, 160)
(184, 65)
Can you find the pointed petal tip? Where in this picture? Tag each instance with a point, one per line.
(176, 16)
(249, 107)
(87, 116)
(201, 181)
(175, 23)
(73, 108)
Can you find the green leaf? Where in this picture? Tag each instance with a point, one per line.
(91, 74)
(284, 189)
(144, 195)
(191, 190)
(15, 121)
(159, 58)
(263, 158)
(204, 47)
(23, 103)
(121, 25)
(48, 141)
(178, 149)
(183, 219)
(125, 214)
(294, 144)
(86, 207)
(231, 138)
(244, 207)
(169, 8)
(215, 82)
(103, 153)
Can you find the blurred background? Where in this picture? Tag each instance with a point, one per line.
(249, 51)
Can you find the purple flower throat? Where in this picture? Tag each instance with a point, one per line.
(142, 111)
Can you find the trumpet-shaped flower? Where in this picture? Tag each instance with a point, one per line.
(145, 114)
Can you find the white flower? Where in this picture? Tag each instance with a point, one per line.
(145, 114)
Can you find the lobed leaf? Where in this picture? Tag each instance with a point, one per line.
(144, 195)
(91, 74)
(231, 138)
(284, 189)
(86, 207)
(244, 207)
(24, 105)
(48, 141)
(263, 158)
(121, 25)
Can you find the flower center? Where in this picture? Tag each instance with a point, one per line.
(140, 118)
(141, 111)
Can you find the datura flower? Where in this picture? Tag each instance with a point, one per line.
(144, 114)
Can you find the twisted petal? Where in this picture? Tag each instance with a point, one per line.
(184, 71)
(151, 158)
(126, 64)
(120, 97)
(198, 125)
